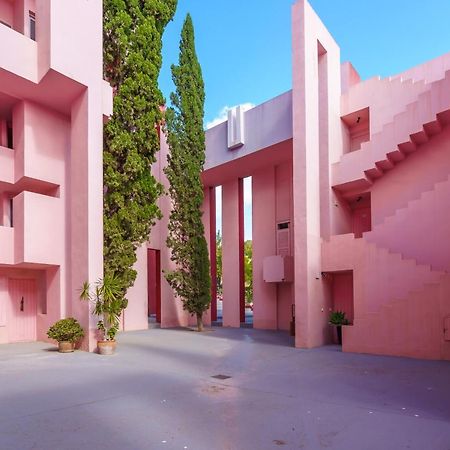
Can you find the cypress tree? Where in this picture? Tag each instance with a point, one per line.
(191, 280)
(132, 34)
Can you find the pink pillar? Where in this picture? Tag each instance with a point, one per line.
(241, 252)
(213, 251)
(230, 254)
(263, 241)
(315, 124)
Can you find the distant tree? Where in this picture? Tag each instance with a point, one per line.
(191, 279)
(219, 263)
(132, 43)
(248, 271)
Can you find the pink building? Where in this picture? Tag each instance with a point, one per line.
(52, 104)
(351, 187)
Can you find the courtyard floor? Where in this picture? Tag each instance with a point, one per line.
(157, 392)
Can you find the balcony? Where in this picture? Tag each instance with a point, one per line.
(20, 16)
(38, 229)
(18, 50)
(6, 165)
(6, 245)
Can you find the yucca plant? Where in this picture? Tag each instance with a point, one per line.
(106, 296)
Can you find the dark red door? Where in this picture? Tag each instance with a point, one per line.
(154, 283)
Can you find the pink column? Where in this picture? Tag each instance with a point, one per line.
(264, 233)
(213, 251)
(316, 106)
(230, 254)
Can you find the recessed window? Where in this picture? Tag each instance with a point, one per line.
(32, 17)
(356, 129)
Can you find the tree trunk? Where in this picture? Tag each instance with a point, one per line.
(200, 322)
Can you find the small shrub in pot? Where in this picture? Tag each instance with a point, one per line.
(66, 332)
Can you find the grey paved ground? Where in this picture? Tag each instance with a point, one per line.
(157, 393)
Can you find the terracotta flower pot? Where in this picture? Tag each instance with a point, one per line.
(66, 347)
(106, 347)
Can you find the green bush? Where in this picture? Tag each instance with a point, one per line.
(338, 318)
(66, 330)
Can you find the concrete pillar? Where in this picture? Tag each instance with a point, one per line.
(316, 110)
(264, 244)
(230, 254)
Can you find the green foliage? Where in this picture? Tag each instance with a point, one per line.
(66, 330)
(108, 302)
(191, 279)
(219, 264)
(338, 318)
(132, 34)
(248, 272)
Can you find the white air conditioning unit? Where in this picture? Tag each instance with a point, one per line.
(236, 128)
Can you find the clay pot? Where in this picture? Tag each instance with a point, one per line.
(106, 347)
(66, 347)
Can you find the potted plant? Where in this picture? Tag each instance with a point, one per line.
(67, 332)
(337, 319)
(108, 302)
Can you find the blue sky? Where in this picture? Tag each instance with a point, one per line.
(245, 46)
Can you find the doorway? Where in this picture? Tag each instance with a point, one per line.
(154, 285)
(22, 311)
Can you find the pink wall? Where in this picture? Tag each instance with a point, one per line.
(263, 241)
(230, 253)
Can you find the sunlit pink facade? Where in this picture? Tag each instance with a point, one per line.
(351, 195)
(53, 101)
(350, 192)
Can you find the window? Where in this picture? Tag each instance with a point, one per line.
(32, 16)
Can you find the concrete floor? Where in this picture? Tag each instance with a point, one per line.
(157, 393)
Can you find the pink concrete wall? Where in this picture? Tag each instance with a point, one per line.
(264, 244)
(7, 12)
(284, 206)
(135, 316)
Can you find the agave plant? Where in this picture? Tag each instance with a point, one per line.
(338, 318)
(108, 302)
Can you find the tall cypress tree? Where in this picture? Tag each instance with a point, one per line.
(191, 280)
(132, 33)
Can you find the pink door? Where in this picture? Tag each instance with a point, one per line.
(362, 221)
(22, 310)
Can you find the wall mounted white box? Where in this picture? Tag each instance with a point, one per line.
(236, 127)
(278, 269)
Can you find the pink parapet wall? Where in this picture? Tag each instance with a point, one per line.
(53, 103)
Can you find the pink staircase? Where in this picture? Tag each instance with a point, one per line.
(379, 275)
(413, 326)
(426, 240)
(428, 114)
(394, 299)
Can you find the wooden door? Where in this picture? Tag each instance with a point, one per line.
(154, 283)
(22, 310)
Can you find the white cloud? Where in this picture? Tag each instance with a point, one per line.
(223, 114)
